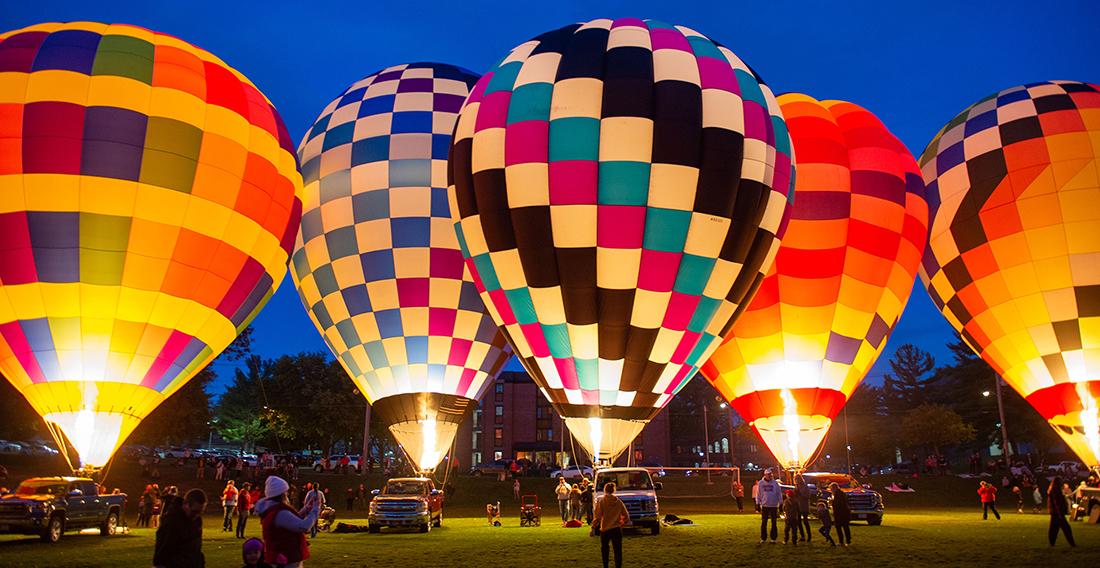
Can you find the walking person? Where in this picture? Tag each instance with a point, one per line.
(563, 499)
(284, 529)
(768, 496)
(244, 503)
(826, 521)
(802, 497)
(317, 497)
(609, 517)
(1056, 504)
(179, 538)
(229, 504)
(989, 500)
(842, 515)
(515, 489)
(739, 494)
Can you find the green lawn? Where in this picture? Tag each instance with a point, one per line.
(939, 525)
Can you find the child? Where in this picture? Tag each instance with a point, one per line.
(792, 511)
(826, 521)
(1019, 499)
(253, 552)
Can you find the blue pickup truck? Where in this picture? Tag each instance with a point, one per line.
(49, 506)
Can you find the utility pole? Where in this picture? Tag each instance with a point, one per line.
(363, 461)
(706, 435)
(1004, 427)
(847, 444)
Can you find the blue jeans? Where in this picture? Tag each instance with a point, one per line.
(227, 521)
(563, 504)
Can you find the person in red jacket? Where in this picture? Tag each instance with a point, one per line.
(244, 503)
(989, 500)
(284, 529)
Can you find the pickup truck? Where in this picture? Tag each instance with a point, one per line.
(49, 506)
(635, 488)
(406, 502)
(865, 503)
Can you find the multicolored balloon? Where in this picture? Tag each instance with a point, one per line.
(840, 281)
(377, 264)
(148, 203)
(1013, 256)
(618, 187)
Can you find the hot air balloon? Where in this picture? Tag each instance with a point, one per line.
(148, 203)
(840, 281)
(1013, 257)
(617, 188)
(377, 264)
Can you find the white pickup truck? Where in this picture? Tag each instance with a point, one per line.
(635, 488)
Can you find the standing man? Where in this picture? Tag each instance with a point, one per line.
(609, 517)
(179, 538)
(229, 503)
(586, 499)
(563, 498)
(769, 496)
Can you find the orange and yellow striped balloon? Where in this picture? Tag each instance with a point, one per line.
(840, 281)
(149, 198)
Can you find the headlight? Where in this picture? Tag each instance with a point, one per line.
(45, 507)
(372, 505)
(422, 506)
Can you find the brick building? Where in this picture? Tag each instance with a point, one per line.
(515, 421)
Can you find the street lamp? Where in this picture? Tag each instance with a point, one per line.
(706, 435)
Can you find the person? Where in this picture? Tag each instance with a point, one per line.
(316, 497)
(575, 502)
(586, 499)
(284, 529)
(769, 496)
(448, 493)
(350, 498)
(179, 538)
(515, 489)
(253, 553)
(1019, 499)
(609, 517)
(200, 472)
(792, 514)
(229, 503)
(826, 522)
(1058, 509)
(755, 493)
(563, 498)
(842, 515)
(739, 494)
(988, 494)
(361, 497)
(802, 497)
(941, 461)
(244, 503)
(219, 470)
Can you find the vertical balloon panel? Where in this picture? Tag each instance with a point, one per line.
(377, 264)
(1013, 257)
(148, 203)
(840, 281)
(617, 189)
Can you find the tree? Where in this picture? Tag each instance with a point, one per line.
(20, 421)
(932, 425)
(183, 416)
(908, 386)
(871, 431)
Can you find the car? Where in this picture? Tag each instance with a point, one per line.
(573, 472)
(494, 467)
(1064, 468)
(655, 468)
(10, 447)
(334, 462)
(865, 503)
(37, 449)
(406, 502)
(178, 452)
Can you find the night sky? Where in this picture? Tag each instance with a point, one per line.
(914, 64)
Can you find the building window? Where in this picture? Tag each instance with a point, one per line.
(498, 455)
(538, 412)
(539, 436)
(477, 458)
(500, 415)
(550, 434)
(498, 438)
(477, 418)
(500, 393)
(477, 439)
(638, 442)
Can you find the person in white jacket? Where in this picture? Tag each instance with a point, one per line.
(284, 529)
(769, 495)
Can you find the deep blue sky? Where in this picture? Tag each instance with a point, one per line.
(914, 64)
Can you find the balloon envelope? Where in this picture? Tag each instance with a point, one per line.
(841, 278)
(377, 263)
(617, 188)
(148, 203)
(1013, 257)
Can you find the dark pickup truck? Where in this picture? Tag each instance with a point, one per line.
(406, 502)
(49, 506)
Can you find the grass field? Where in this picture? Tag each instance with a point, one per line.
(939, 525)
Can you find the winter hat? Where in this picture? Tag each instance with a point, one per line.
(253, 544)
(790, 494)
(275, 486)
